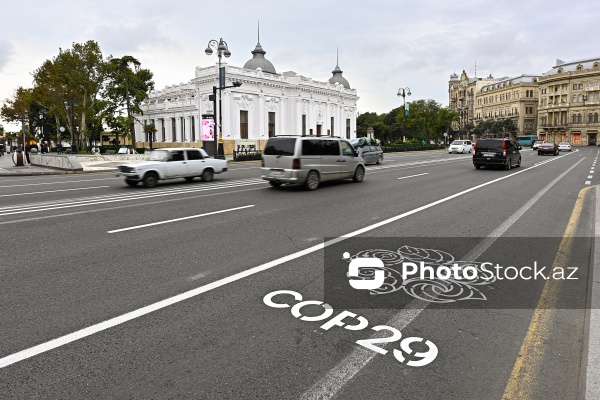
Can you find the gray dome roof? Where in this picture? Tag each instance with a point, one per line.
(338, 78)
(258, 60)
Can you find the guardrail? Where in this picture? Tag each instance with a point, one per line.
(246, 155)
(405, 147)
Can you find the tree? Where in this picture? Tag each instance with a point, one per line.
(17, 109)
(126, 87)
(73, 76)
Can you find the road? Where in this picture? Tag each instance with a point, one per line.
(110, 291)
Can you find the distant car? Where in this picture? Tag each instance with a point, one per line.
(566, 146)
(172, 163)
(547, 148)
(536, 144)
(460, 146)
(371, 154)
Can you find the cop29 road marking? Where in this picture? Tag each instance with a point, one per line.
(53, 191)
(179, 219)
(110, 323)
(346, 369)
(412, 176)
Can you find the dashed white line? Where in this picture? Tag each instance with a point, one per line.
(412, 176)
(179, 219)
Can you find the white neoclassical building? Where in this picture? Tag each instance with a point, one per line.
(267, 103)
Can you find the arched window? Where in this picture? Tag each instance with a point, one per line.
(596, 118)
(579, 118)
(591, 118)
(574, 118)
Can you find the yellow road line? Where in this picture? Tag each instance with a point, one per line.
(528, 363)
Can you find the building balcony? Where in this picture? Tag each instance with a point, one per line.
(592, 89)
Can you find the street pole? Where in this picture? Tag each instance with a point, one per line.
(222, 50)
(404, 92)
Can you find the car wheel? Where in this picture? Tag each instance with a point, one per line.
(312, 180)
(507, 166)
(189, 178)
(275, 183)
(150, 179)
(380, 160)
(519, 163)
(359, 174)
(477, 166)
(207, 175)
(131, 183)
(539, 154)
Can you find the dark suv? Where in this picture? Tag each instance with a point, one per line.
(496, 153)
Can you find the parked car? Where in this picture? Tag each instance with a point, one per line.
(371, 154)
(547, 148)
(536, 144)
(566, 146)
(310, 160)
(497, 153)
(460, 146)
(172, 163)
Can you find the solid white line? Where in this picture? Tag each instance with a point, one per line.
(93, 329)
(411, 176)
(345, 370)
(53, 191)
(178, 219)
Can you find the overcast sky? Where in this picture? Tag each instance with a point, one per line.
(383, 45)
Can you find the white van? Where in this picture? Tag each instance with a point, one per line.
(309, 160)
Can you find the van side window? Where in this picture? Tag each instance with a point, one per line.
(331, 148)
(347, 149)
(312, 147)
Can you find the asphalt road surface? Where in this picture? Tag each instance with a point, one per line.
(116, 292)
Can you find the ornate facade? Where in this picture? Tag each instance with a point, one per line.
(570, 102)
(266, 104)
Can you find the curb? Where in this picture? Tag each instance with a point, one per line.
(592, 382)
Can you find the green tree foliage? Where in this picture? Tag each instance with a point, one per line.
(427, 120)
(127, 86)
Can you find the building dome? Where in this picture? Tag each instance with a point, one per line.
(338, 78)
(454, 77)
(258, 60)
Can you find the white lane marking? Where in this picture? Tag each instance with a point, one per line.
(199, 276)
(345, 370)
(178, 219)
(590, 176)
(591, 171)
(98, 200)
(588, 182)
(412, 176)
(53, 191)
(126, 206)
(56, 183)
(99, 327)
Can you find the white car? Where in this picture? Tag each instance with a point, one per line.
(460, 146)
(172, 163)
(566, 146)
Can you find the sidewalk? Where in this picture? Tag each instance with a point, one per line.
(8, 168)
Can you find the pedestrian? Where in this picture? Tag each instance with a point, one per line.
(59, 148)
(44, 148)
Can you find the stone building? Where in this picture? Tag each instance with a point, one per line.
(510, 98)
(480, 99)
(267, 103)
(569, 103)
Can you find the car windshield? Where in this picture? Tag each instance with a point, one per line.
(157, 155)
(457, 142)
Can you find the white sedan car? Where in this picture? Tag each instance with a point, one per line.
(172, 163)
(460, 146)
(564, 146)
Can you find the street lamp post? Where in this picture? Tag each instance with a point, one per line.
(42, 116)
(404, 92)
(222, 50)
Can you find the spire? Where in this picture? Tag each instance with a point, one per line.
(337, 72)
(258, 59)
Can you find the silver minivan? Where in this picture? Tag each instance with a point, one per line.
(310, 160)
